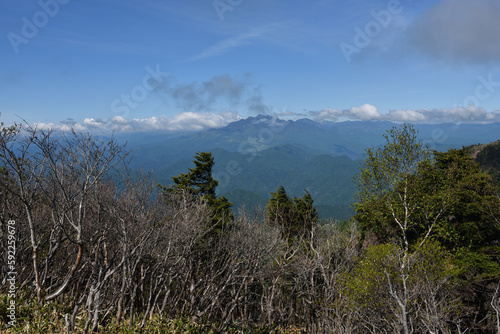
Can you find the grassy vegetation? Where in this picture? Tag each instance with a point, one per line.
(34, 318)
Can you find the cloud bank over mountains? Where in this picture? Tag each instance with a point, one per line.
(196, 121)
(368, 112)
(188, 121)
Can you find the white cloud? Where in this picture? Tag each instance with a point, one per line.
(406, 116)
(60, 126)
(118, 120)
(470, 113)
(493, 116)
(196, 121)
(365, 112)
(327, 115)
(91, 122)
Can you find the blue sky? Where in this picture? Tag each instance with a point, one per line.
(191, 64)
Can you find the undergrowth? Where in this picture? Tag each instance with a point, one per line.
(33, 318)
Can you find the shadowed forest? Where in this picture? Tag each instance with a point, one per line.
(101, 247)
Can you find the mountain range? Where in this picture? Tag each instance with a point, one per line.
(254, 156)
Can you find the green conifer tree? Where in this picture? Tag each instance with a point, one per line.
(199, 183)
(296, 217)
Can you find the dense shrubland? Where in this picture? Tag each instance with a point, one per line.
(101, 248)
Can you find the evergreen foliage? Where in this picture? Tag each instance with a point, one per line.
(457, 179)
(199, 183)
(296, 217)
(489, 160)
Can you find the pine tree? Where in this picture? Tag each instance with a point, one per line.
(307, 214)
(296, 217)
(280, 207)
(199, 183)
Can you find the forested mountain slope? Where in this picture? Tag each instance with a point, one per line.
(256, 155)
(488, 157)
(249, 180)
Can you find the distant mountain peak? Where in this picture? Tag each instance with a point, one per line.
(306, 120)
(261, 117)
(254, 121)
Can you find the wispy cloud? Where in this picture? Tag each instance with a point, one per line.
(232, 42)
(276, 33)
